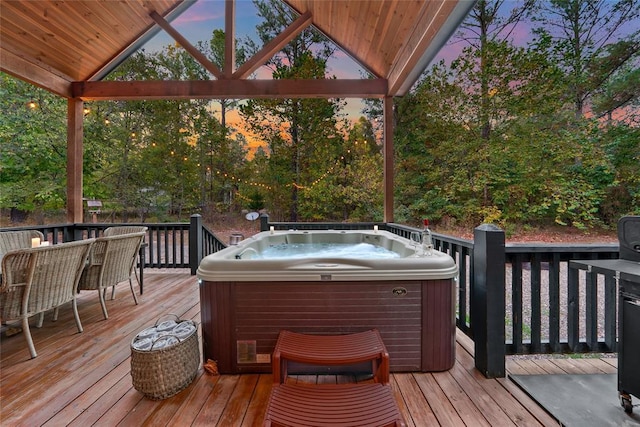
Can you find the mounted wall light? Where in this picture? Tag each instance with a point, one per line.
(32, 105)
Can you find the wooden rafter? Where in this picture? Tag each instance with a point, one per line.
(229, 37)
(37, 75)
(199, 56)
(274, 46)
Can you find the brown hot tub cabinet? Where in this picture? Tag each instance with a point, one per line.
(413, 310)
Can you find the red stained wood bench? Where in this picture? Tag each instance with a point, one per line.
(334, 405)
(331, 350)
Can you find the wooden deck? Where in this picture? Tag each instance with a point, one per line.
(84, 379)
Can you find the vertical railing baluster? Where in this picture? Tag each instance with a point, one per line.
(536, 304)
(516, 302)
(610, 314)
(166, 253)
(591, 310)
(174, 247)
(463, 287)
(554, 303)
(573, 309)
(158, 233)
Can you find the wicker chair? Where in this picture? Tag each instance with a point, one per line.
(12, 240)
(35, 280)
(123, 229)
(111, 261)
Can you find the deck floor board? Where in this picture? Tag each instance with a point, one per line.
(83, 379)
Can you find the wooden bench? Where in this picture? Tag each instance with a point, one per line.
(334, 405)
(331, 350)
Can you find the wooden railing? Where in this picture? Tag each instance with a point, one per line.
(166, 244)
(512, 298)
(542, 309)
(558, 316)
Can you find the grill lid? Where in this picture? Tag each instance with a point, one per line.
(629, 237)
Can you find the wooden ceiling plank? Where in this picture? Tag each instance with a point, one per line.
(274, 46)
(431, 20)
(322, 25)
(186, 45)
(32, 48)
(229, 89)
(405, 11)
(381, 30)
(74, 29)
(122, 25)
(104, 26)
(85, 28)
(27, 25)
(352, 34)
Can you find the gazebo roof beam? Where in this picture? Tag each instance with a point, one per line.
(230, 89)
(274, 46)
(199, 56)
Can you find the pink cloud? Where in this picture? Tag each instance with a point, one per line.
(201, 12)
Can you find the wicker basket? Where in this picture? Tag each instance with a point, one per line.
(161, 373)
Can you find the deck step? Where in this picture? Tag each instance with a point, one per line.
(332, 405)
(331, 350)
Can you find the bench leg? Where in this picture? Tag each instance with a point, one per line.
(276, 367)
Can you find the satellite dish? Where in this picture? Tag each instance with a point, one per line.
(252, 216)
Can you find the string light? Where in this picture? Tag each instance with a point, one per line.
(294, 184)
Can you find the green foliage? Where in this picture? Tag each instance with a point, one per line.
(33, 155)
(494, 138)
(622, 147)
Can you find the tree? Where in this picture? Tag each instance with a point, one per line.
(171, 156)
(220, 144)
(487, 25)
(595, 41)
(302, 134)
(351, 188)
(523, 169)
(33, 155)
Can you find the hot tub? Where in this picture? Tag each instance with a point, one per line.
(246, 299)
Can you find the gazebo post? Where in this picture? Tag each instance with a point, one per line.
(75, 130)
(388, 158)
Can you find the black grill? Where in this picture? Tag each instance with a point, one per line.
(629, 311)
(626, 269)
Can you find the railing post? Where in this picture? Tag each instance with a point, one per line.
(488, 300)
(71, 233)
(264, 222)
(195, 242)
